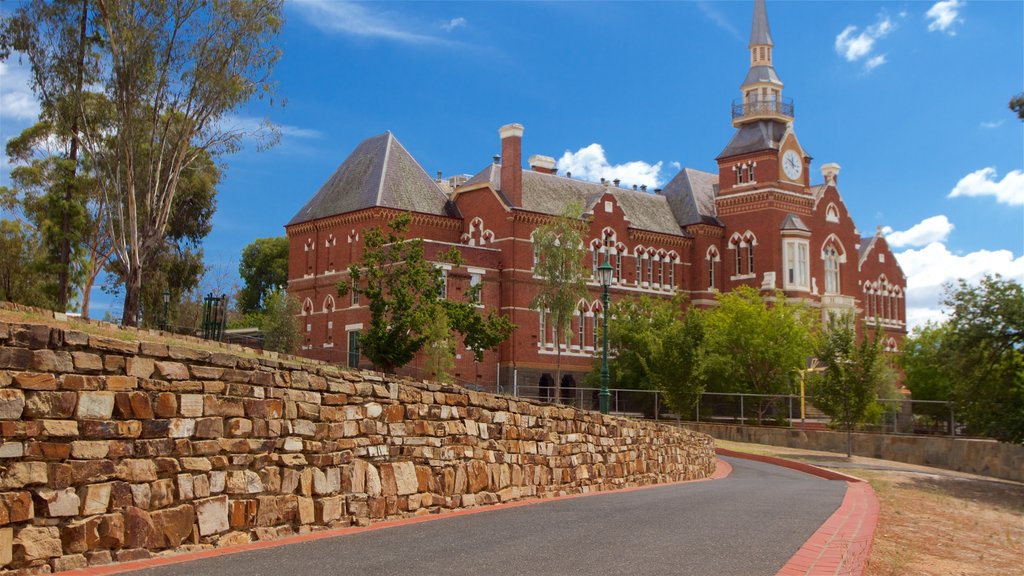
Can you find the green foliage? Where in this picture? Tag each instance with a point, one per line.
(923, 359)
(401, 288)
(984, 356)
(263, 268)
(21, 255)
(279, 323)
(755, 346)
(562, 280)
(854, 374)
(1017, 105)
(440, 348)
(656, 347)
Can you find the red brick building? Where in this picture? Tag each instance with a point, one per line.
(758, 222)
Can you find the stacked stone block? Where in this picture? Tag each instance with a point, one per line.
(115, 450)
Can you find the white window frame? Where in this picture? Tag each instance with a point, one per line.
(796, 264)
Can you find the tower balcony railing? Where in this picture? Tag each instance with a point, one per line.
(749, 108)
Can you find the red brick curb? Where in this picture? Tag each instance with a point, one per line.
(841, 546)
(722, 470)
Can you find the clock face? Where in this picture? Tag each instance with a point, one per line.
(792, 165)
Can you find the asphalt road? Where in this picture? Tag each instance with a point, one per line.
(748, 524)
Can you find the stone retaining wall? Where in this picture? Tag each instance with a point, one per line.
(974, 456)
(117, 449)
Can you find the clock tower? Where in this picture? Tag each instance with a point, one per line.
(764, 150)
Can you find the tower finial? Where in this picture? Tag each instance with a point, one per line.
(760, 34)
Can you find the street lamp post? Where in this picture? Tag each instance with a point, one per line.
(604, 274)
(167, 300)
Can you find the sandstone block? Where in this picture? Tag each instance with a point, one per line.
(223, 406)
(30, 335)
(80, 382)
(373, 481)
(242, 513)
(185, 487)
(60, 428)
(196, 464)
(212, 514)
(120, 383)
(239, 427)
(405, 478)
(191, 405)
(114, 345)
(50, 404)
(95, 498)
(57, 503)
(35, 381)
(171, 370)
(182, 427)
(17, 506)
(136, 470)
(212, 427)
(12, 403)
(218, 481)
(132, 554)
(95, 405)
(154, 349)
(21, 474)
(180, 353)
(139, 530)
(330, 509)
(15, 358)
(86, 361)
(276, 510)
(141, 495)
(90, 449)
(139, 367)
(293, 459)
(161, 493)
(6, 546)
(166, 405)
(306, 510)
(243, 482)
(70, 562)
(36, 543)
(51, 361)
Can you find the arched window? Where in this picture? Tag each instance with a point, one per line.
(712, 257)
(672, 257)
(750, 240)
(734, 244)
(831, 213)
(639, 253)
(831, 258)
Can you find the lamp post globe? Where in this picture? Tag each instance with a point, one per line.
(167, 300)
(604, 275)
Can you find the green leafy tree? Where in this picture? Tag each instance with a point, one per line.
(561, 277)
(923, 360)
(1017, 105)
(280, 324)
(264, 267)
(756, 346)
(402, 289)
(854, 373)
(984, 356)
(656, 347)
(21, 258)
(440, 348)
(54, 36)
(174, 70)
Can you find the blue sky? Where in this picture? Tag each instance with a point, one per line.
(909, 97)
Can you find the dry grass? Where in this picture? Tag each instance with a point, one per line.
(932, 522)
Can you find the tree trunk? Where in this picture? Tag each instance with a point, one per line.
(558, 367)
(132, 294)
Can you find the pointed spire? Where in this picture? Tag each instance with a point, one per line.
(760, 35)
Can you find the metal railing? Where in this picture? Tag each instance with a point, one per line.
(898, 416)
(744, 108)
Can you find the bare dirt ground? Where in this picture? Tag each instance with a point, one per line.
(931, 521)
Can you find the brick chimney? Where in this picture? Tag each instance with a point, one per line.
(542, 164)
(512, 163)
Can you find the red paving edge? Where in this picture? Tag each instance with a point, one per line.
(841, 546)
(722, 470)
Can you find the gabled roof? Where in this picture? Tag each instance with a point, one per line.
(550, 193)
(760, 135)
(759, 31)
(793, 222)
(866, 244)
(691, 195)
(379, 172)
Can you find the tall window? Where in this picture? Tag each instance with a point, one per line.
(593, 264)
(831, 270)
(661, 273)
(739, 259)
(543, 329)
(442, 286)
(476, 290)
(795, 251)
(617, 263)
(597, 325)
(353, 348)
(672, 272)
(750, 257)
(712, 257)
(650, 270)
(536, 255)
(639, 268)
(581, 329)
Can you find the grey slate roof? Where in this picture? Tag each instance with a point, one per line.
(759, 31)
(760, 135)
(866, 244)
(379, 172)
(550, 193)
(758, 74)
(691, 195)
(793, 222)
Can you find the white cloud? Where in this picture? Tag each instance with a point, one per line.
(675, 165)
(943, 16)
(855, 46)
(928, 269)
(875, 62)
(1009, 190)
(992, 124)
(454, 23)
(590, 163)
(363, 20)
(929, 230)
(16, 98)
(719, 19)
